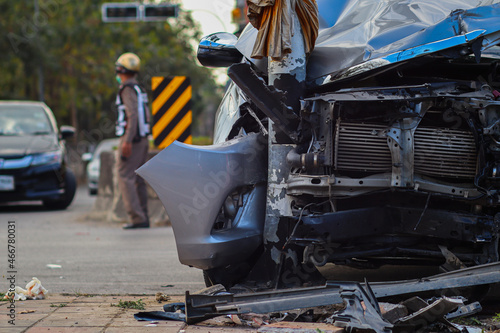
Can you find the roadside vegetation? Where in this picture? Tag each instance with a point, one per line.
(67, 51)
(138, 305)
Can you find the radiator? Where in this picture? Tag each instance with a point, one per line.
(438, 152)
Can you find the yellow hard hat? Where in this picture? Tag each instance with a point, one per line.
(128, 63)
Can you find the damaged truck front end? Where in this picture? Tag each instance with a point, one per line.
(393, 157)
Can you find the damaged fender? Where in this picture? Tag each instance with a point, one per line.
(194, 183)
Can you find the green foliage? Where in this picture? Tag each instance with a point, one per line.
(202, 140)
(77, 51)
(496, 317)
(62, 305)
(138, 305)
(471, 321)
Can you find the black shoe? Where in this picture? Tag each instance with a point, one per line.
(136, 225)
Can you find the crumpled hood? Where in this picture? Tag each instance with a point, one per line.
(372, 32)
(27, 144)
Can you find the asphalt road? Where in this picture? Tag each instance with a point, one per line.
(70, 254)
(94, 257)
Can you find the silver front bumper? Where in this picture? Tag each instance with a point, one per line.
(194, 181)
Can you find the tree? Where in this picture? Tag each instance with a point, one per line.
(77, 51)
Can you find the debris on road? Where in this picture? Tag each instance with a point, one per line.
(424, 314)
(339, 306)
(362, 311)
(465, 310)
(161, 297)
(200, 307)
(359, 312)
(34, 290)
(293, 327)
(392, 312)
(159, 315)
(139, 304)
(172, 311)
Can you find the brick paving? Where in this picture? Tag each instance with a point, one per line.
(60, 313)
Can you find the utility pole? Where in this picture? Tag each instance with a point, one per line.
(40, 67)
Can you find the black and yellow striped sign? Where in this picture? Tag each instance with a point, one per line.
(172, 115)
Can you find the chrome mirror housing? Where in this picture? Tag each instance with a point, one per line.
(218, 50)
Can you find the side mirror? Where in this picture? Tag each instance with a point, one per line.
(67, 132)
(87, 157)
(218, 50)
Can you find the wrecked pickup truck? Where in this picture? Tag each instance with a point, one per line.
(390, 154)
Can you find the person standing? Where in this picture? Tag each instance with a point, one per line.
(132, 126)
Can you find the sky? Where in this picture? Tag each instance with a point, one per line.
(213, 15)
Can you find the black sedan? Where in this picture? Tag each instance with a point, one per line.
(33, 155)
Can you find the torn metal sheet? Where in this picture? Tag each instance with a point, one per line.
(390, 32)
(465, 310)
(358, 36)
(392, 312)
(362, 311)
(470, 329)
(266, 98)
(425, 314)
(201, 307)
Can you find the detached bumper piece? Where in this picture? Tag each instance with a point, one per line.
(202, 307)
(197, 183)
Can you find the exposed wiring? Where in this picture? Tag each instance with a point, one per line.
(423, 212)
(299, 221)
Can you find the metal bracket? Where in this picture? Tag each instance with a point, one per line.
(201, 307)
(267, 99)
(452, 261)
(358, 315)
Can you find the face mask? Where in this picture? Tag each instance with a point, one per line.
(118, 79)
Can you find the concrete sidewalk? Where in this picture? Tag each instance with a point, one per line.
(74, 313)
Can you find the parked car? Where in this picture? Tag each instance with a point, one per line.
(94, 165)
(392, 158)
(33, 155)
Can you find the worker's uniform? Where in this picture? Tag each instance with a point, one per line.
(133, 126)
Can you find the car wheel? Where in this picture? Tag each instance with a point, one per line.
(228, 276)
(69, 193)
